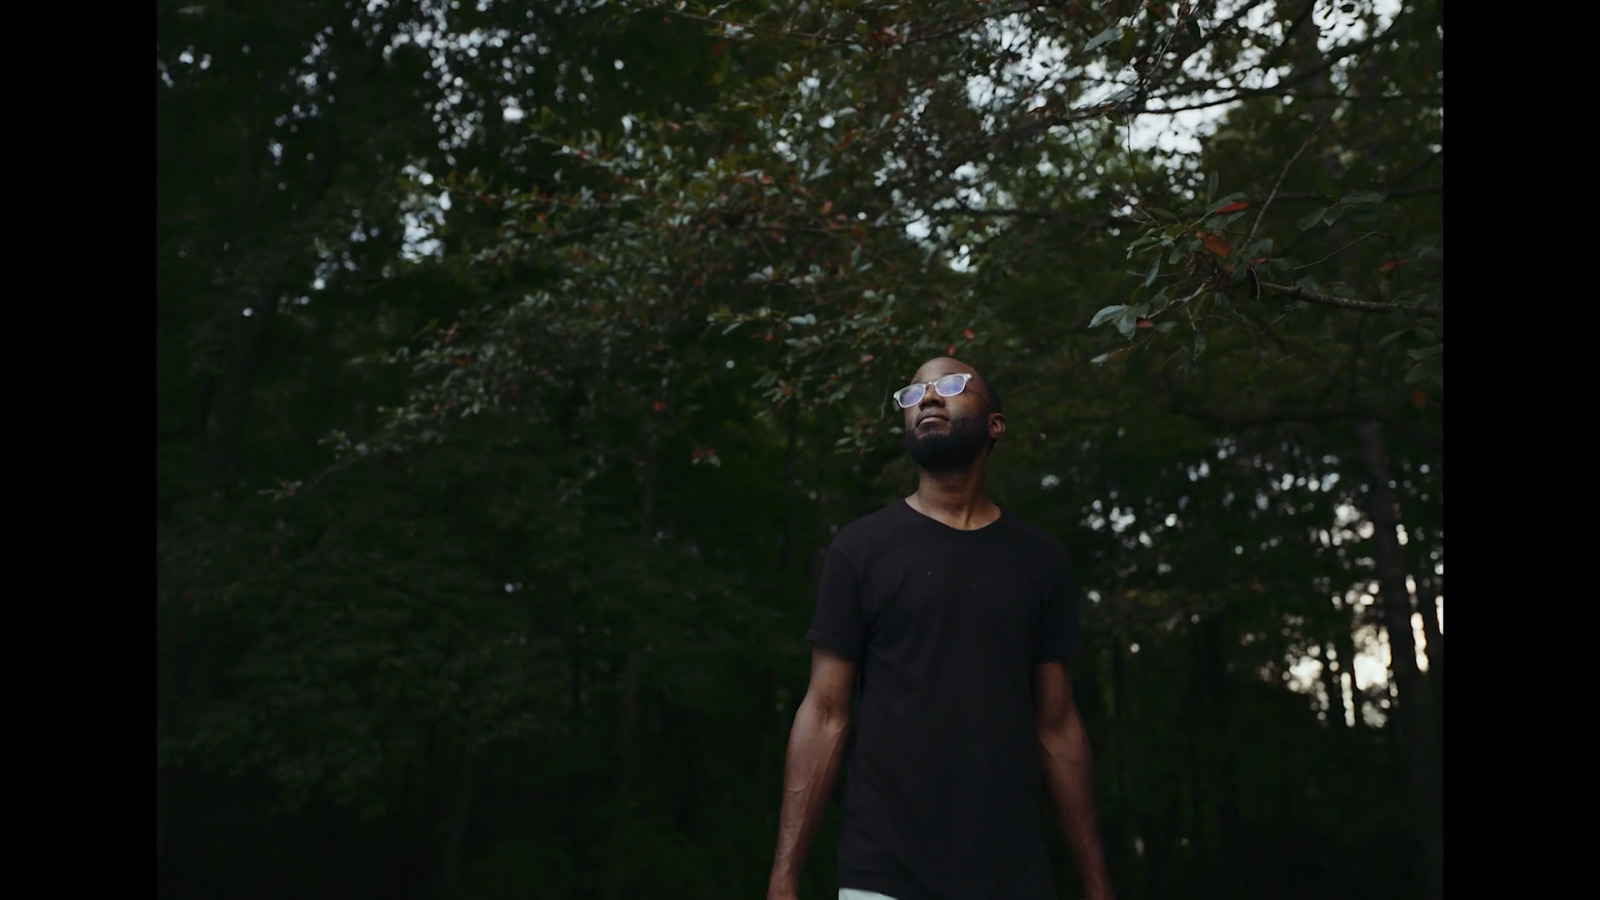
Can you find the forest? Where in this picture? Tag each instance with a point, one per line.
(517, 361)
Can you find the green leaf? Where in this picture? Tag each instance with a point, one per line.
(1098, 360)
(1130, 39)
(1101, 38)
(1106, 313)
(1225, 221)
(1166, 327)
(1312, 219)
(1211, 187)
(1198, 345)
(1155, 270)
(1127, 322)
(1391, 337)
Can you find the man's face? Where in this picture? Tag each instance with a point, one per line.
(948, 433)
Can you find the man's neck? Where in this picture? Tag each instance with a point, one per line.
(957, 499)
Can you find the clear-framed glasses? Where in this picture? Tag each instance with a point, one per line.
(945, 385)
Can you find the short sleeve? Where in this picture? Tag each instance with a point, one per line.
(838, 624)
(1059, 638)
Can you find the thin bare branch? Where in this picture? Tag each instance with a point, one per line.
(1299, 293)
(1283, 174)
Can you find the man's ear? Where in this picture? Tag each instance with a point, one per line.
(997, 425)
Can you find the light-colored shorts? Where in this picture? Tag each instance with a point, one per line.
(853, 894)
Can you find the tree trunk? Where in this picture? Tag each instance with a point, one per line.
(786, 549)
(1117, 749)
(1414, 715)
(1428, 590)
(1428, 605)
(1333, 684)
(1344, 642)
(771, 715)
(260, 275)
(226, 415)
(455, 828)
(628, 707)
(627, 720)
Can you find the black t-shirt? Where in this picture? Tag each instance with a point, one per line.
(943, 791)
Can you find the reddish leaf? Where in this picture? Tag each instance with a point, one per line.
(845, 141)
(657, 406)
(950, 349)
(1419, 399)
(866, 359)
(827, 207)
(1143, 323)
(1393, 263)
(967, 334)
(1235, 205)
(1214, 243)
(717, 50)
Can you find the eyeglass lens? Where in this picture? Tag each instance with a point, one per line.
(948, 386)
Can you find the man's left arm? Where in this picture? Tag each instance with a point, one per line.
(1064, 749)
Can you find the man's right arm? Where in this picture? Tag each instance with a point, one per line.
(816, 747)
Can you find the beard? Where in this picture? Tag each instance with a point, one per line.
(950, 449)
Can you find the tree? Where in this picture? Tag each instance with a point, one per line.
(586, 300)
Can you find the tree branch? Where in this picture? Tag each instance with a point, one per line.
(1299, 293)
(1284, 174)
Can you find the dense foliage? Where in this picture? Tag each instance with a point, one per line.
(516, 362)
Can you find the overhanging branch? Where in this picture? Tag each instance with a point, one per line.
(1299, 293)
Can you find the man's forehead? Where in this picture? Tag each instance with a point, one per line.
(935, 368)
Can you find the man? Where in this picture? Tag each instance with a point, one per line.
(958, 619)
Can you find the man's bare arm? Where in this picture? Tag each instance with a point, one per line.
(816, 747)
(1064, 747)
